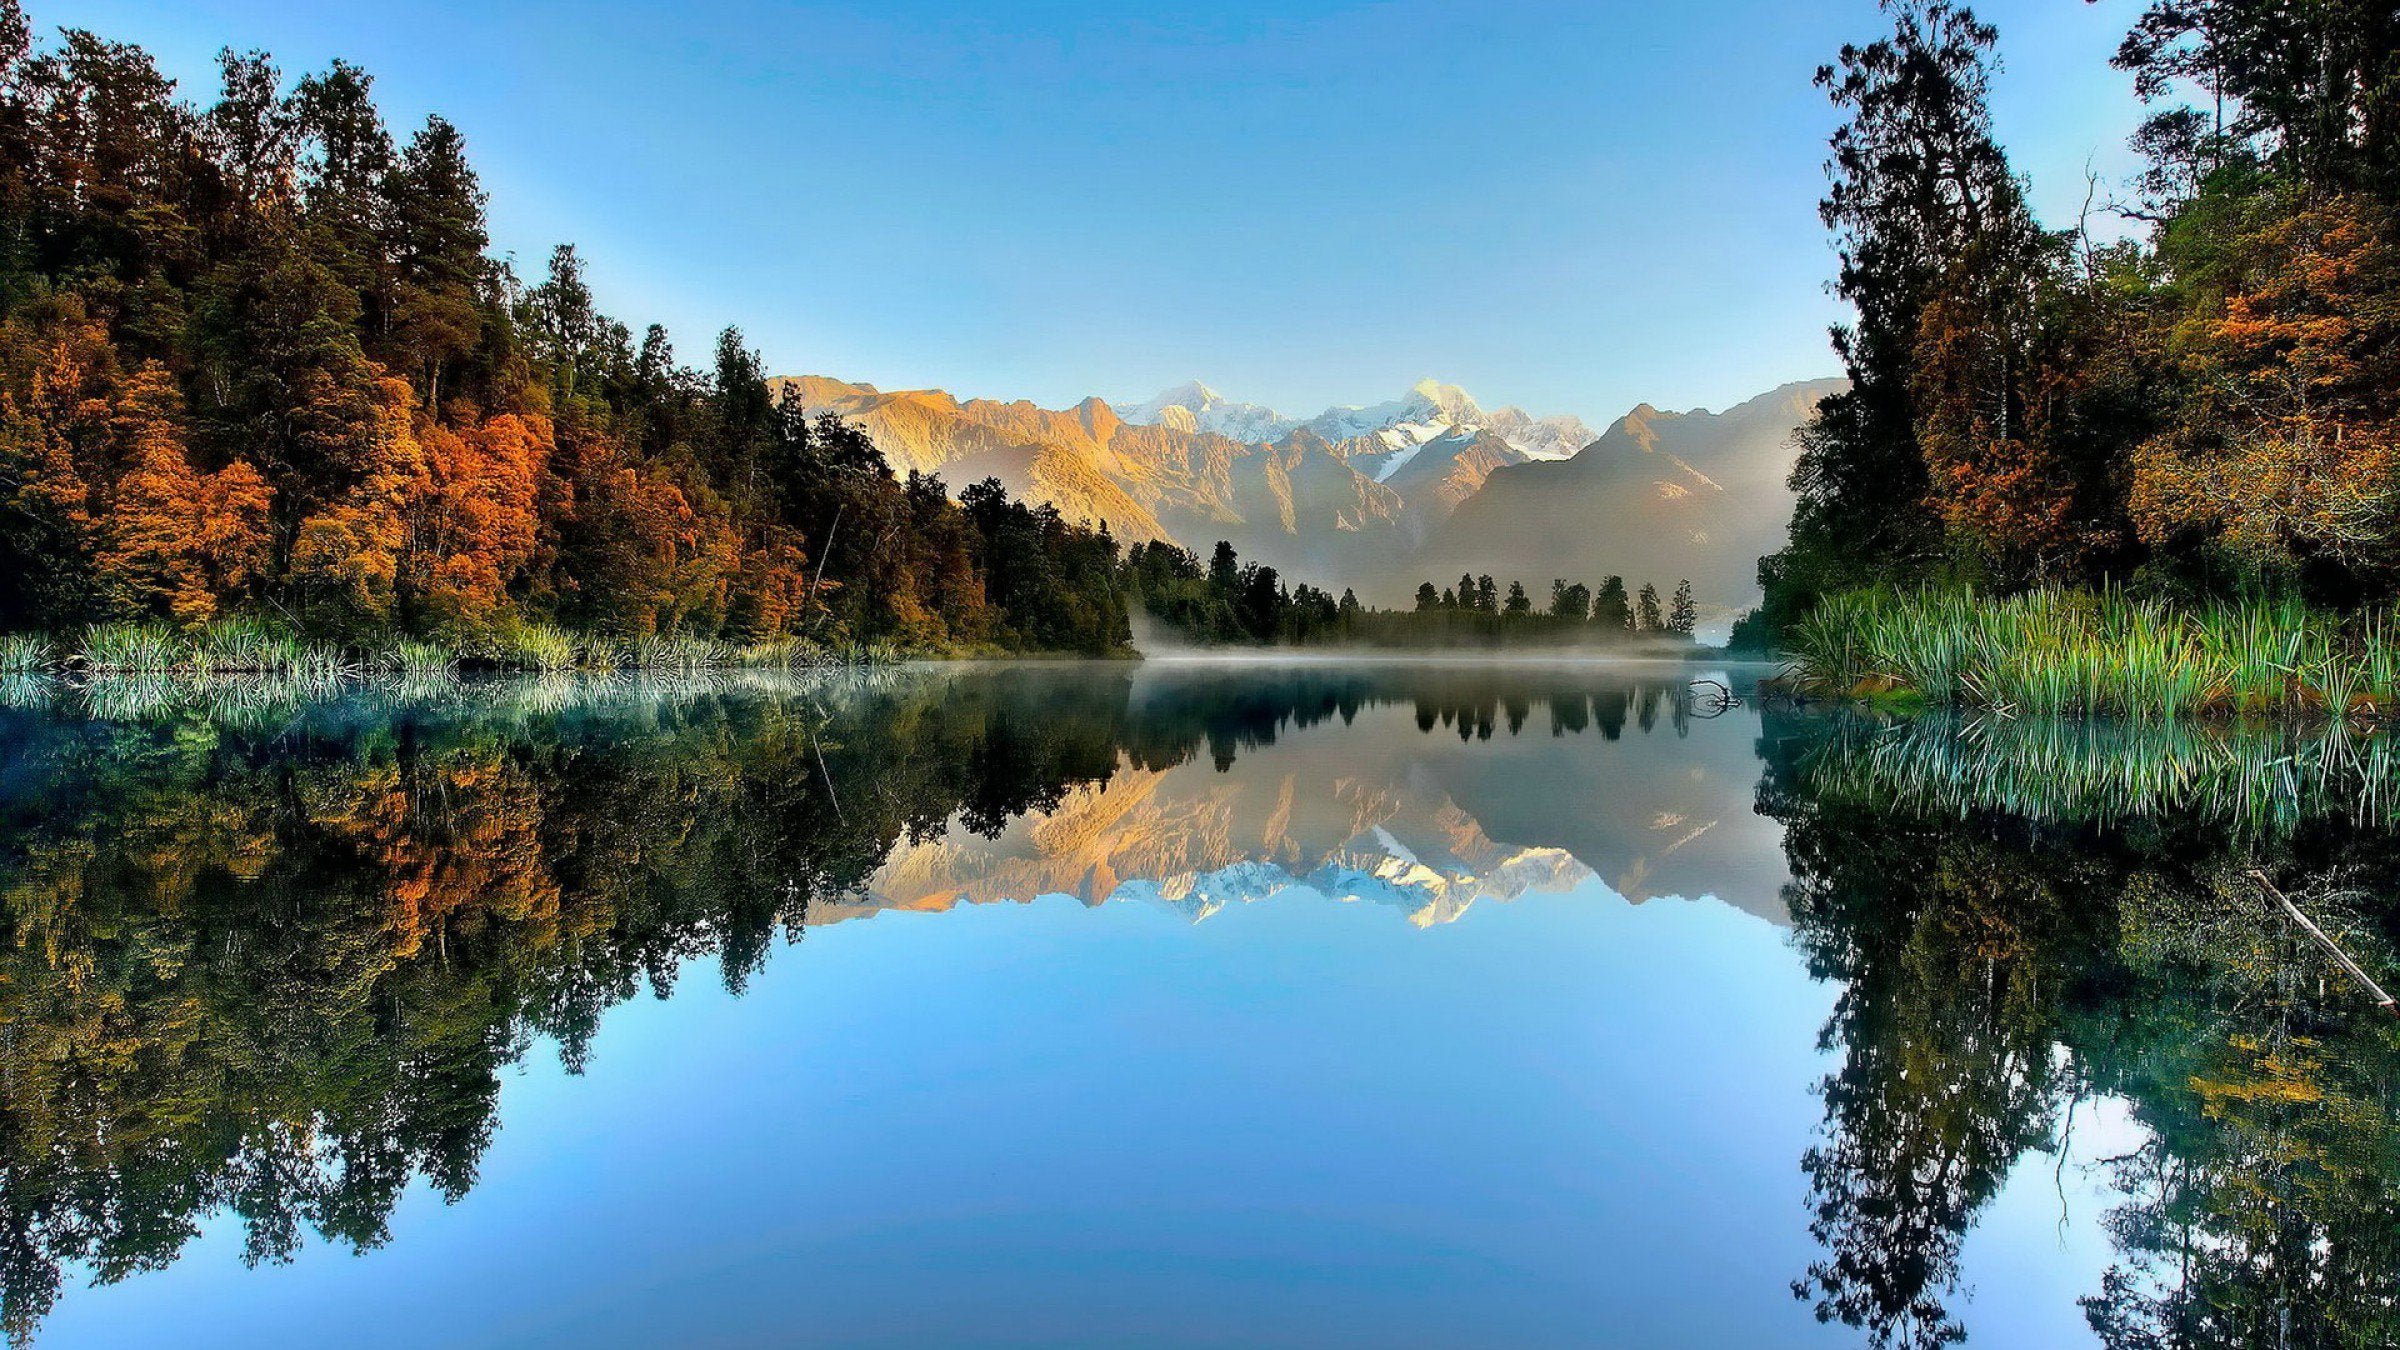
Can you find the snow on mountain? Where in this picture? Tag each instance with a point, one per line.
(1194, 407)
(1429, 411)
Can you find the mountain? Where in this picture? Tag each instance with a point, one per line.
(1194, 406)
(1378, 496)
(1659, 496)
(1425, 825)
(1429, 411)
(1313, 504)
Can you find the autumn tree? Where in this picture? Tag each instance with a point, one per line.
(176, 543)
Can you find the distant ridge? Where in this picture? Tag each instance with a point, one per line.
(1378, 496)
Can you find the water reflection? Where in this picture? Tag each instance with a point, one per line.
(269, 954)
(2025, 918)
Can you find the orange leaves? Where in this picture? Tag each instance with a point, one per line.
(2290, 447)
(475, 518)
(176, 542)
(1987, 393)
(2273, 490)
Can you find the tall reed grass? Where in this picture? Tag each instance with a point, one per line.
(2061, 652)
(24, 654)
(2263, 778)
(251, 647)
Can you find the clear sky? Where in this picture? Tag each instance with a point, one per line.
(1573, 206)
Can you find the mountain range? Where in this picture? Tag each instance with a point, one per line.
(1387, 813)
(1379, 496)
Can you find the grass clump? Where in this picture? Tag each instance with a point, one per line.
(537, 647)
(418, 658)
(130, 648)
(2060, 652)
(24, 654)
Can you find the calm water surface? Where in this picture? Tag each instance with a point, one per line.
(1061, 1004)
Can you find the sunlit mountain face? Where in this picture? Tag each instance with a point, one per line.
(1378, 497)
(1400, 789)
(1760, 1000)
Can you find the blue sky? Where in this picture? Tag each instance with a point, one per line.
(1574, 207)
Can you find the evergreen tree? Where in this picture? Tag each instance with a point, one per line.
(1611, 610)
(1683, 615)
(1646, 616)
(1918, 184)
(1224, 569)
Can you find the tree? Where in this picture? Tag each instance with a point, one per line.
(1487, 595)
(1224, 569)
(437, 236)
(1683, 615)
(1611, 610)
(1918, 184)
(1645, 616)
(2314, 89)
(176, 544)
(1428, 599)
(1519, 604)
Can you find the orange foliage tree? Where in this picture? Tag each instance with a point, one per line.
(2287, 451)
(176, 542)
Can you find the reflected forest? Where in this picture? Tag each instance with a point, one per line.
(272, 962)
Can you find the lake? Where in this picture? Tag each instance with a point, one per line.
(1184, 1004)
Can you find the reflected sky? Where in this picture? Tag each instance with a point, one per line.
(1170, 1007)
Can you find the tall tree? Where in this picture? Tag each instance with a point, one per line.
(1918, 184)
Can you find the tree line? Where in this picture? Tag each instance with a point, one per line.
(256, 361)
(1230, 601)
(2211, 406)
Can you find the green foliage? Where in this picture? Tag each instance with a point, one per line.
(1233, 602)
(256, 362)
(2053, 652)
(2214, 409)
(24, 654)
(132, 648)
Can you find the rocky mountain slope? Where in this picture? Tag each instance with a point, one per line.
(1659, 496)
(1426, 825)
(1376, 496)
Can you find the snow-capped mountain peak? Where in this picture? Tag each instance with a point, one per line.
(1193, 406)
(1429, 411)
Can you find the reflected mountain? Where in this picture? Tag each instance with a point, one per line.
(266, 953)
(1410, 787)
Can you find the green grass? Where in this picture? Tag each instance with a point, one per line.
(2261, 777)
(536, 647)
(24, 654)
(131, 649)
(2065, 653)
(419, 659)
(253, 647)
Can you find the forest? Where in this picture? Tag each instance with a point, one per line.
(260, 374)
(273, 971)
(1231, 602)
(2189, 398)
